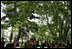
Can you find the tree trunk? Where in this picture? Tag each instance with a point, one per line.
(60, 32)
(66, 29)
(66, 32)
(11, 35)
(49, 26)
(22, 43)
(19, 33)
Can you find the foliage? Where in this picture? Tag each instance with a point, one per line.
(55, 18)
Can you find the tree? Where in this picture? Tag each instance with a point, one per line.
(59, 12)
(54, 16)
(16, 17)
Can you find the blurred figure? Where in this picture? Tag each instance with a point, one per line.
(42, 44)
(33, 41)
(15, 43)
(48, 45)
(59, 44)
(29, 44)
(34, 44)
(68, 44)
(10, 45)
(17, 46)
(53, 44)
(25, 45)
(37, 45)
(45, 44)
(56, 45)
(2, 42)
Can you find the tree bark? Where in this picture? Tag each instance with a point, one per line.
(66, 30)
(11, 35)
(18, 37)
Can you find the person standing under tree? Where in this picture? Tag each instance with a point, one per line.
(2, 42)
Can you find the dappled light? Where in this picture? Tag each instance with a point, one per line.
(35, 24)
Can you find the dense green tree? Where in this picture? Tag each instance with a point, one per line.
(18, 18)
(60, 14)
(54, 16)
